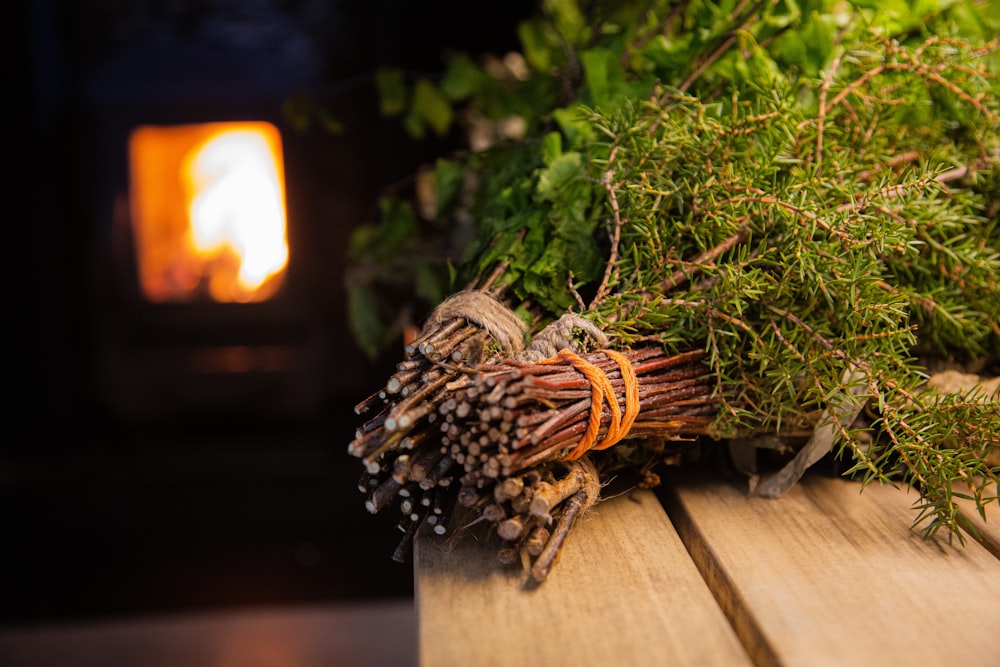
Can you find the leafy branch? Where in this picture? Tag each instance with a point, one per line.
(805, 195)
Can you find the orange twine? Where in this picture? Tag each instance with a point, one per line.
(601, 389)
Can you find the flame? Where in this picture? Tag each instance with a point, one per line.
(208, 205)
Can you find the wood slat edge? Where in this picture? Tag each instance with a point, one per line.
(827, 575)
(988, 529)
(624, 591)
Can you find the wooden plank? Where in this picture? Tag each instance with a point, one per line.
(624, 592)
(988, 529)
(826, 575)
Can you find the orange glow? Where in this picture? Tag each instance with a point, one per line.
(208, 211)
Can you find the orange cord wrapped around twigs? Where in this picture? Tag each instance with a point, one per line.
(515, 414)
(601, 391)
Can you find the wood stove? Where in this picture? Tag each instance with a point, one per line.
(184, 334)
(187, 451)
(180, 339)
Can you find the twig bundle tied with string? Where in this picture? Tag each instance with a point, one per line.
(508, 440)
(745, 226)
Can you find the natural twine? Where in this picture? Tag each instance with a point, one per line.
(480, 308)
(558, 335)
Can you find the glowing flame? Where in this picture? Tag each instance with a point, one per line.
(208, 206)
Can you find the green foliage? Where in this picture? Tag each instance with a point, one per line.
(301, 112)
(390, 260)
(430, 109)
(809, 190)
(392, 91)
(540, 220)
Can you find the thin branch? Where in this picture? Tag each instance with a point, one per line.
(821, 115)
(812, 217)
(706, 259)
(604, 288)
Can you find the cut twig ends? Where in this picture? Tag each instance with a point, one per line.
(512, 442)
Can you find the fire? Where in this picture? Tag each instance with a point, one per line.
(208, 210)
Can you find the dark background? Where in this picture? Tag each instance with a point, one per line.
(124, 490)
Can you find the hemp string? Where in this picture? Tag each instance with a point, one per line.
(481, 309)
(559, 334)
(509, 331)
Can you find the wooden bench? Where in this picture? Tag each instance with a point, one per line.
(824, 575)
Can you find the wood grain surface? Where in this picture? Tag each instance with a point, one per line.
(828, 575)
(624, 592)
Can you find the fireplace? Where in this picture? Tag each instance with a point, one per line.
(207, 313)
(187, 443)
(207, 211)
(217, 261)
(135, 72)
(188, 420)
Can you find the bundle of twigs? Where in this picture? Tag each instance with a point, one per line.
(513, 415)
(508, 441)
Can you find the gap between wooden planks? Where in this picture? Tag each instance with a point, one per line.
(824, 575)
(828, 575)
(986, 533)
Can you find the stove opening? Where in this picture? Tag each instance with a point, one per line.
(207, 205)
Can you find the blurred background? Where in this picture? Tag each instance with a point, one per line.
(179, 443)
